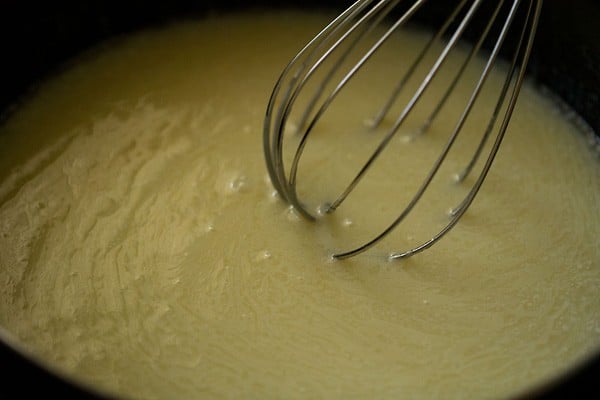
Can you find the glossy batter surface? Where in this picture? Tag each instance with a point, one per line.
(142, 250)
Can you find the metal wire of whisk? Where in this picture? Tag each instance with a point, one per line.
(508, 28)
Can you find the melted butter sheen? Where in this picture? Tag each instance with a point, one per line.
(142, 250)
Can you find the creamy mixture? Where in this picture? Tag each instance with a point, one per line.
(143, 252)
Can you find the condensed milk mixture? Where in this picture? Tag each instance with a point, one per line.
(144, 253)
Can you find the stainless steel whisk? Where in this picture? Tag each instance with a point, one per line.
(337, 42)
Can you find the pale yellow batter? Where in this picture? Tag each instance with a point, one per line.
(142, 250)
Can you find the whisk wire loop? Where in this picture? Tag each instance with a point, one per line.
(344, 35)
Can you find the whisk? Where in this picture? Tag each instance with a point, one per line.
(502, 27)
